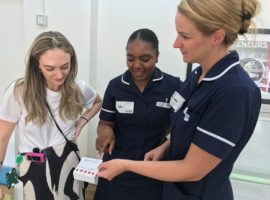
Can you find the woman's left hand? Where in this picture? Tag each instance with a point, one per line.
(157, 153)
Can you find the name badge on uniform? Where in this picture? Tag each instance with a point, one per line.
(126, 107)
(176, 101)
(163, 104)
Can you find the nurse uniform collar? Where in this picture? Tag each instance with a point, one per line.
(221, 67)
(222, 73)
(157, 76)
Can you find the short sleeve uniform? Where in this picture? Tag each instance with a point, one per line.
(219, 116)
(141, 120)
(31, 135)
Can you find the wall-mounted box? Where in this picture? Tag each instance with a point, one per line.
(42, 20)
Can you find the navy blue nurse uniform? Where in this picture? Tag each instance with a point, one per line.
(141, 119)
(219, 116)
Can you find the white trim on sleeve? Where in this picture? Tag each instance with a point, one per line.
(109, 111)
(215, 136)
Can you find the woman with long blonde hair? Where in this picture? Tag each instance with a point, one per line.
(49, 108)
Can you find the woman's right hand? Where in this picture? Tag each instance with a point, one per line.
(106, 140)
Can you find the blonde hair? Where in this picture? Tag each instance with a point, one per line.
(32, 88)
(233, 16)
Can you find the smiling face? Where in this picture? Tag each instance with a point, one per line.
(141, 60)
(194, 46)
(55, 67)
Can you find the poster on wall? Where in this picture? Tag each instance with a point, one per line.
(254, 52)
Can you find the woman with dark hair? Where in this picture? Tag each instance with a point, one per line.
(135, 118)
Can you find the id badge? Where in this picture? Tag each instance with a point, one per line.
(163, 104)
(176, 101)
(125, 107)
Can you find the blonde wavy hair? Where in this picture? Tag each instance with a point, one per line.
(233, 16)
(31, 89)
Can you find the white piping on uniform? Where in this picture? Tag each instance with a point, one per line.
(109, 111)
(222, 73)
(216, 136)
(122, 79)
(158, 79)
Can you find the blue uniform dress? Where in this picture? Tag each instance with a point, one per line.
(141, 120)
(219, 116)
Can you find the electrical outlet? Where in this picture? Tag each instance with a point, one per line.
(42, 20)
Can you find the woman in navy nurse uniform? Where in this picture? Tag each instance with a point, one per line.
(135, 118)
(215, 111)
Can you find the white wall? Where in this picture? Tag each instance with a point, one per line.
(11, 56)
(11, 40)
(118, 19)
(262, 20)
